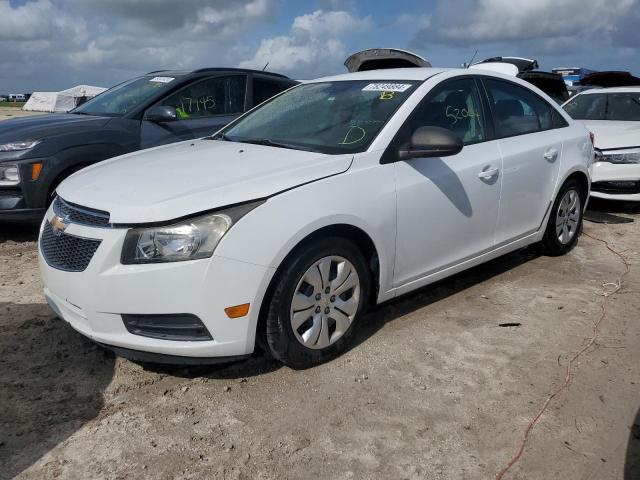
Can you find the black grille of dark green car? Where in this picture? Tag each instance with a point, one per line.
(80, 215)
(67, 252)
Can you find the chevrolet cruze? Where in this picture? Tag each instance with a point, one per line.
(285, 226)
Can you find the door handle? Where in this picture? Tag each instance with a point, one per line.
(551, 154)
(488, 173)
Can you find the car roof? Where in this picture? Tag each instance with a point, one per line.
(632, 89)
(215, 70)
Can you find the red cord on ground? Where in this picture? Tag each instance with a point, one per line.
(569, 369)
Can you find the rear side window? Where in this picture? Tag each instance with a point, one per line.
(206, 98)
(264, 90)
(517, 110)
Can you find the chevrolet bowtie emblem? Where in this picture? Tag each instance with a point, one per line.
(59, 224)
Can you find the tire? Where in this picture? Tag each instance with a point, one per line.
(565, 220)
(324, 320)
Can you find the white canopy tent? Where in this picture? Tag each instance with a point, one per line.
(60, 101)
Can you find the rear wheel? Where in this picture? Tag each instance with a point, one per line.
(319, 295)
(565, 220)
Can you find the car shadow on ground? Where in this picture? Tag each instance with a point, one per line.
(613, 206)
(632, 462)
(18, 232)
(411, 302)
(52, 383)
(257, 364)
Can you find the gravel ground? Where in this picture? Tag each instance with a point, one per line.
(433, 387)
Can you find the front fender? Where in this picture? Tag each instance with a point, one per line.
(363, 198)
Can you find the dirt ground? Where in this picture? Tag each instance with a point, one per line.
(433, 387)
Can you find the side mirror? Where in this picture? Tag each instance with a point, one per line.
(161, 113)
(431, 142)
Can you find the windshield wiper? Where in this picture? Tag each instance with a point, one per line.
(218, 137)
(273, 143)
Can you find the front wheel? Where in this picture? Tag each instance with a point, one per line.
(319, 295)
(565, 220)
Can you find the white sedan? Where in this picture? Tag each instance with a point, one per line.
(613, 115)
(284, 227)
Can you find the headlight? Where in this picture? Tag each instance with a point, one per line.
(187, 240)
(17, 146)
(9, 175)
(619, 156)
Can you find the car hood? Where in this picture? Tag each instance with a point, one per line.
(174, 181)
(42, 126)
(612, 134)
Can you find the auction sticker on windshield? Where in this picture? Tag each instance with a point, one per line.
(386, 87)
(162, 79)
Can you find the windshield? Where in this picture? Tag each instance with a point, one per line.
(124, 98)
(624, 106)
(328, 117)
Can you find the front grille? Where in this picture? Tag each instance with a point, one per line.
(619, 187)
(67, 252)
(9, 193)
(80, 215)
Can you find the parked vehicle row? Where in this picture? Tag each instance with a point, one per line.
(286, 225)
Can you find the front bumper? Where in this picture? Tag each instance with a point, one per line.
(614, 181)
(13, 207)
(92, 301)
(25, 202)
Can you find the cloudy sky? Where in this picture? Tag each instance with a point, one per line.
(55, 44)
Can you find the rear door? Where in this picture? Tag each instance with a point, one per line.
(202, 107)
(531, 148)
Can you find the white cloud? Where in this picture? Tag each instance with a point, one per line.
(486, 21)
(105, 42)
(314, 44)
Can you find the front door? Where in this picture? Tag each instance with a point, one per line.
(202, 107)
(447, 208)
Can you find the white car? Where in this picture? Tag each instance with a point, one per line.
(284, 227)
(613, 115)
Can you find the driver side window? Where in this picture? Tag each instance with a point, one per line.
(210, 97)
(456, 106)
